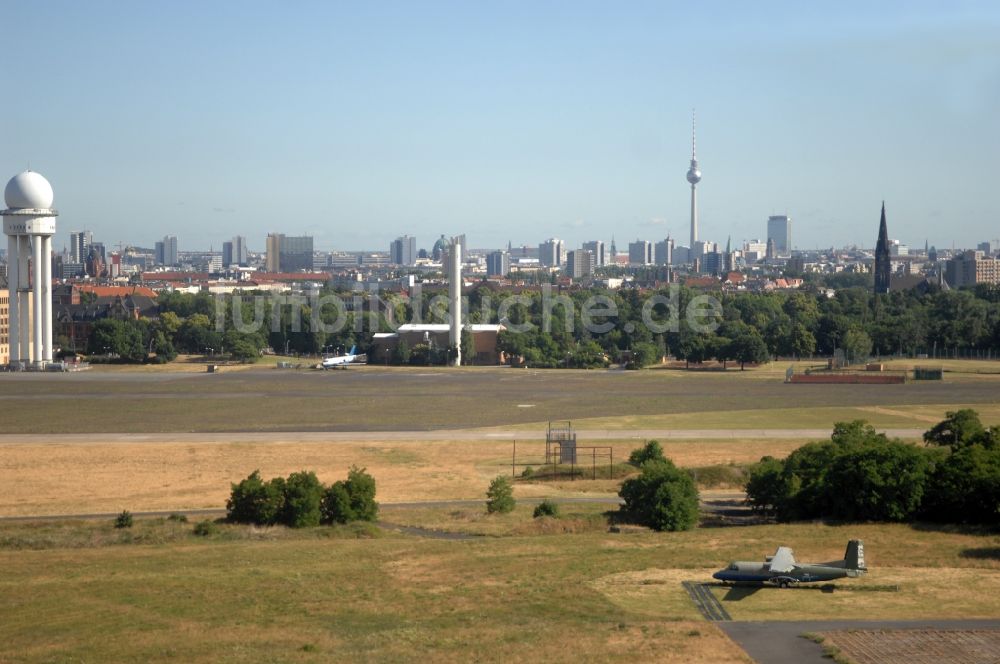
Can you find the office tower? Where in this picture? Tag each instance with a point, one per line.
(403, 250)
(779, 228)
(498, 264)
(79, 245)
(550, 253)
(596, 247)
(296, 253)
(227, 254)
(580, 263)
(640, 252)
(663, 253)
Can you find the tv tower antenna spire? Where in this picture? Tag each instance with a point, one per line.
(694, 177)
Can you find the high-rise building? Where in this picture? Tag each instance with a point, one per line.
(712, 263)
(596, 247)
(580, 263)
(779, 228)
(166, 251)
(241, 254)
(498, 264)
(694, 177)
(227, 254)
(663, 253)
(272, 262)
(883, 269)
(640, 252)
(970, 268)
(79, 245)
(550, 253)
(296, 253)
(403, 250)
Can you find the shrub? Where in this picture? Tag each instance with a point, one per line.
(500, 496)
(651, 451)
(663, 497)
(527, 472)
(351, 500)
(336, 506)
(180, 518)
(255, 501)
(546, 508)
(303, 495)
(205, 528)
(124, 520)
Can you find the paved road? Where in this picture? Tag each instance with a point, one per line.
(782, 643)
(442, 435)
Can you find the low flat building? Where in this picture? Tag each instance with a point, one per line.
(484, 339)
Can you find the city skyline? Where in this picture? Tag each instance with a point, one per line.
(363, 124)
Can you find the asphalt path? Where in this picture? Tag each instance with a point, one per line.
(780, 642)
(437, 435)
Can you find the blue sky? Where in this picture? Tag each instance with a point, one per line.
(358, 122)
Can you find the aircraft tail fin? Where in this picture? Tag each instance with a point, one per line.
(353, 348)
(854, 557)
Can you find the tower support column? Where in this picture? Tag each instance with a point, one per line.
(36, 291)
(13, 302)
(24, 297)
(46, 288)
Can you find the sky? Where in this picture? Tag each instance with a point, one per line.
(506, 121)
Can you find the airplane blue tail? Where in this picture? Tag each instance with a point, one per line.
(353, 348)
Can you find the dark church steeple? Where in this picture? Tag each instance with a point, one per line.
(882, 267)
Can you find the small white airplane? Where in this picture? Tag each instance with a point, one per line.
(340, 361)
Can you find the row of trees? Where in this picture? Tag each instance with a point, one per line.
(301, 500)
(752, 327)
(861, 475)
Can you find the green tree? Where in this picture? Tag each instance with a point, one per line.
(767, 486)
(643, 354)
(663, 497)
(254, 500)
(857, 345)
(748, 347)
(651, 451)
(303, 495)
(958, 429)
(500, 496)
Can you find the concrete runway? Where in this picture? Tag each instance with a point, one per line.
(781, 642)
(438, 435)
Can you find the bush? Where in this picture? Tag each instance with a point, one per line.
(205, 528)
(124, 520)
(303, 495)
(663, 497)
(858, 475)
(255, 501)
(180, 518)
(527, 473)
(500, 496)
(651, 451)
(351, 500)
(546, 508)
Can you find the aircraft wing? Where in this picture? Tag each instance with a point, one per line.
(783, 561)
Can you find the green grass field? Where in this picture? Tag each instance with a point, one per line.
(275, 595)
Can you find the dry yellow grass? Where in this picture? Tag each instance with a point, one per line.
(86, 477)
(924, 592)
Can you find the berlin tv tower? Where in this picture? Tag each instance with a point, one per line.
(694, 177)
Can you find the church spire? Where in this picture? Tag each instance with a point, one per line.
(882, 266)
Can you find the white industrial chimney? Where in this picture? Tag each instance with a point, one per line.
(455, 295)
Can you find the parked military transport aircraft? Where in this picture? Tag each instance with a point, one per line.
(341, 360)
(782, 570)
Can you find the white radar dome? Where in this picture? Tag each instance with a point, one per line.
(28, 190)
